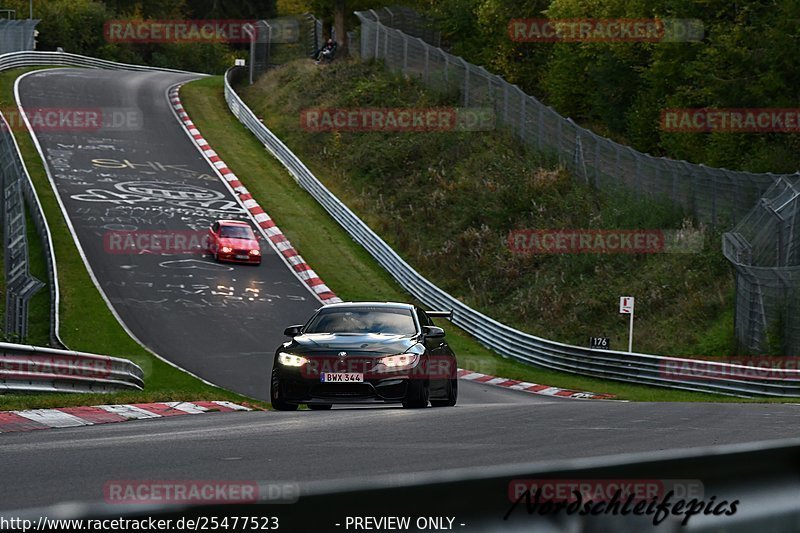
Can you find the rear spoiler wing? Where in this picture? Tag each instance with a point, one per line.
(444, 314)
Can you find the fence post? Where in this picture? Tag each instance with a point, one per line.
(523, 112)
(596, 161)
(251, 32)
(505, 103)
(466, 81)
(405, 52)
(713, 199)
(269, 46)
(377, 32)
(540, 127)
(559, 135)
(427, 58)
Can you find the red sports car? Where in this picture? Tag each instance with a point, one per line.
(233, 240)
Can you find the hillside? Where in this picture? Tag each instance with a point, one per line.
(447, 200)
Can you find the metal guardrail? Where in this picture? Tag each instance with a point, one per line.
(64, 59)
(26, 368)
(722, 378)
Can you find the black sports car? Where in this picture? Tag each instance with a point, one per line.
(365, 353)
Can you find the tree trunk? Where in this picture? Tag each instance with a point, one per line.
(339, 14)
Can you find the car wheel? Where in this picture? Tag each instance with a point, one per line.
(416, 395)
(278, 403)
(319, 406)
(452, 395)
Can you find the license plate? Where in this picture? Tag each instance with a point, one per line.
(241, 257)
(341, 377)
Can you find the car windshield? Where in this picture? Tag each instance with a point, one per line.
(363, 320)
(236, 232)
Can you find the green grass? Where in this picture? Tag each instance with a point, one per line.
(87, 324)
(343, 264)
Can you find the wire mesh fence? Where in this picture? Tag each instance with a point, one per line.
(408, 21)
(713, 195)
(17, 35)
(767, 295)
(764, 248)
(20, 284)
(278, 41)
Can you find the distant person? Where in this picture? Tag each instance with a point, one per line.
(327, 52)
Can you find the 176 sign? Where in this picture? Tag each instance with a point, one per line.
(599, 343)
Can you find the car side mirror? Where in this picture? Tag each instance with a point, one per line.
(433, 332)
(292, 331)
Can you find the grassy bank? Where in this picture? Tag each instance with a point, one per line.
(446, 201)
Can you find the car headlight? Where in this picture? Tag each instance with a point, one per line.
(226, 250)
(396, 361)
(287, 359)
(255, 252)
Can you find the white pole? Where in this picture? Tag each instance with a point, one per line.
(630, 335)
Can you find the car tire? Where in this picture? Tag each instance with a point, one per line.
(452, 395)
(416, 395)
(319, 406)
(277, 401)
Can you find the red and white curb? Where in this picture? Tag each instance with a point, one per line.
(267, 225)
(67, 417)
(533, 388)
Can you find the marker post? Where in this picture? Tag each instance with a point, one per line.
(626, 308)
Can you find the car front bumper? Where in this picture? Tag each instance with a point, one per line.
(391, 388)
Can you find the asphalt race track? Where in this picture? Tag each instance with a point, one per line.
(491, 426)
(223, 323)
(219, 321)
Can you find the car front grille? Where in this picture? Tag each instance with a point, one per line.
(342, 390)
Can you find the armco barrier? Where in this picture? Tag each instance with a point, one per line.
(34, 369)
(31, 59)
(620, 366)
